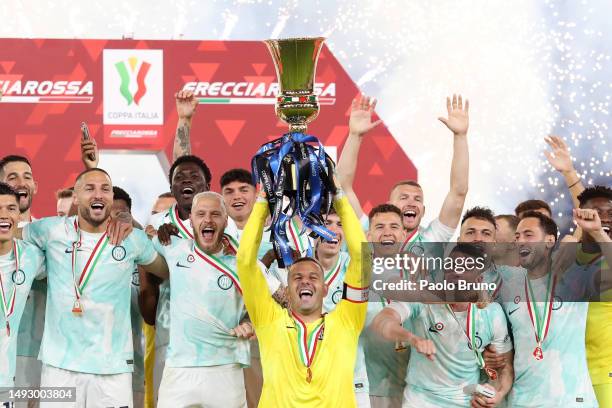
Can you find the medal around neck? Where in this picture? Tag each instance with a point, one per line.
(294, 170)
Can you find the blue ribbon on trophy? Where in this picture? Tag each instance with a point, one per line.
(294, 170)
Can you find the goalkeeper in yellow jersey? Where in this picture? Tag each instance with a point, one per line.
(307, 357)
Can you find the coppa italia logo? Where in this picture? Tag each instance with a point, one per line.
(133, 87)
(125, 75)
(251, 93)
(16, 90)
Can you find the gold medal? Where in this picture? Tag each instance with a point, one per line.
(308, 375)
(76, 308)
(538, 354)
(491, 373)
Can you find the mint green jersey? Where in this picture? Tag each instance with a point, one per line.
(205, 304)
(31, 267)
(33, 318)
(99, 340)
(441, 382)
(561, 378)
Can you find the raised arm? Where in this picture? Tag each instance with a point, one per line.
(186, 104)
(260, 305)
(360, 123)
(559, 157)
(458, 123)
(589, 221)
(353, 307)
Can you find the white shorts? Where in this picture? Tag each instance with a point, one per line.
(92, 390)
(158, 369)
(27, 375)
(210, 387)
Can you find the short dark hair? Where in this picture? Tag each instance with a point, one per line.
(239, 175)
(511, 219)
(548, 225)
(594, 192)
(121, 194)
(6, 189)
(11, 159)
(65, 193)
(406, 183)
(167, 194)
(384, 208)
(308, 259)
(532, 205)
(191, 159)
(482, 213)
(472, 250)
(87, 171)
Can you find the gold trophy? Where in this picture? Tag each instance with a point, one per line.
(295, 60)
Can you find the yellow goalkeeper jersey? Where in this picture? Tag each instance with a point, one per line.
(285, 342)
(599, 328)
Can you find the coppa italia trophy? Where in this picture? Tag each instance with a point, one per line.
(294, 170)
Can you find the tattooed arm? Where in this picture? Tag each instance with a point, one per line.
(186, 104)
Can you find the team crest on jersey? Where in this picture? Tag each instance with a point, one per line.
(18, 277)
(517, 300)
(557, 303)
(224, 282)
(191, 258)
(135, 278)
(478, 341)
(336, 296)
(118, 253)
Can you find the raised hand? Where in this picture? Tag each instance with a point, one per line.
(589, 221)
(186, 104)
(458, 119)
(559, 156)
(89, 149)
(360, 120)
(165, 233)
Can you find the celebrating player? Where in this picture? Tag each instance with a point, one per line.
(208, 346)
(17, 172)
(449, 339)
(548, 330)
(408, 195)
(20, 264)
(87, 339)
(596, 205)
(308, 357)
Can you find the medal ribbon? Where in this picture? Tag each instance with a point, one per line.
(178, 223)
(307, 343)
(412, 238)
(334, 271)
(91, 264)
(540, 323)
(218, 265)
(470, 330)
(297, 237)
(8, 306)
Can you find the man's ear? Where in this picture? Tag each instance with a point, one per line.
(550, 241)
(325, 290)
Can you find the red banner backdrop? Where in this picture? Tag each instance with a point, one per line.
(124, 90)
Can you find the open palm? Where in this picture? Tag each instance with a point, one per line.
(559, 156)
(458, 119)
(360, 121)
